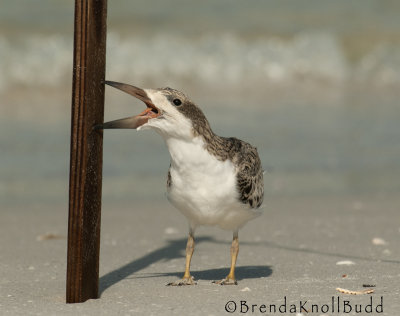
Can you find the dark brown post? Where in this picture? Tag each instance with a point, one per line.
(86, 150)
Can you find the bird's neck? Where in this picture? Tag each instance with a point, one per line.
(196, 152)
(195, 143)
(187, 151)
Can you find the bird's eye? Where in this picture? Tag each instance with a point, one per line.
(177, 102)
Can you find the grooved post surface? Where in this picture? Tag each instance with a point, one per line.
(86, 150)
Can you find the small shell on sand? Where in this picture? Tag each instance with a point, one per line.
(49, 236)
(171, 231)
(379, 241)
(345, 291)
(345, 263)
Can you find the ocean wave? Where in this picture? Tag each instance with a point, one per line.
(227, 59)
(218, 60)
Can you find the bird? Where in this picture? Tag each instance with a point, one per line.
(212, 180)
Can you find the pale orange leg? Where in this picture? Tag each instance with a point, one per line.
(230, 278)
(187, 278)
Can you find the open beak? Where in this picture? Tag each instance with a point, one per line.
(134, 121)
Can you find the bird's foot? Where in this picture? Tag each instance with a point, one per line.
(184, 281)
(226, 281)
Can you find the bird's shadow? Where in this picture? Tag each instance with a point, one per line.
(174, 249)
(241, 272)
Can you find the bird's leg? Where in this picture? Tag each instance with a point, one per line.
(234, 254)
(230, 278)
(187, 278)
(189, 254)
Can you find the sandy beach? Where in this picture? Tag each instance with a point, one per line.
(294, 250)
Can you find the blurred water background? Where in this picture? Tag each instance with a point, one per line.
(313, 84)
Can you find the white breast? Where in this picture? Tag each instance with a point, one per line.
(204, 188)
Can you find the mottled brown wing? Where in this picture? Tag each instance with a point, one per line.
(250, 177)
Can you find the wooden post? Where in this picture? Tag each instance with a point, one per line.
(86, 150)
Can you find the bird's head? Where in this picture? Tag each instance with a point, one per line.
(169, 112)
